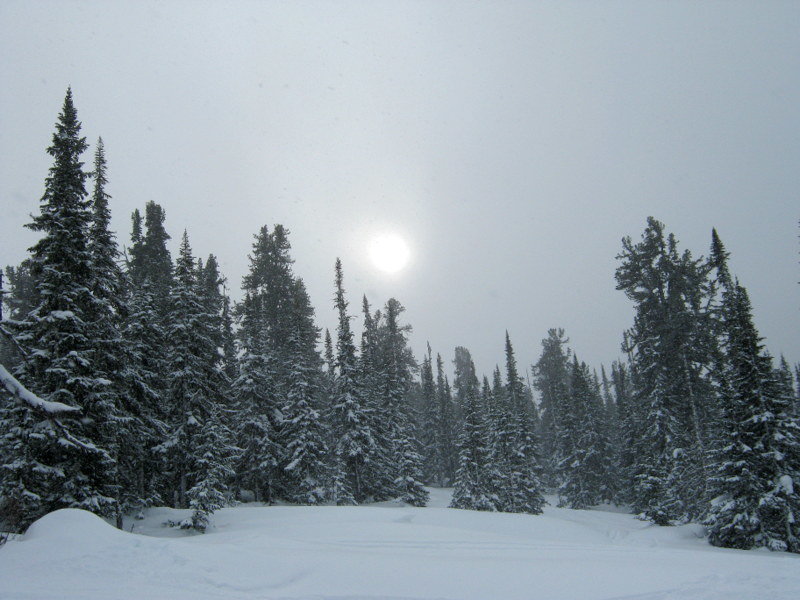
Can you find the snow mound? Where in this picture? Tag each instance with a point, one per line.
(70, 524)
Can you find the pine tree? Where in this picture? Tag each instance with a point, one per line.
(552, 382)
(429, 425)
(500, 434)
(524, 471)
(446, 427)
(198, 446)
(354, 444)
(671, 348)
(379, 476)
(62, 365)
(757, 464)
(587, 466)
(254, 389)
(473, 482)
(630, 424)
(303, 429)
(395, 377)
(124, 426)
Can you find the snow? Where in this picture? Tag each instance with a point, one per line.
(387, 551)
(15, 388)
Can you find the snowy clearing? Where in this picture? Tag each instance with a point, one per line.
(385, 552)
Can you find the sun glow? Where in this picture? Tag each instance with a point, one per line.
(389, 252)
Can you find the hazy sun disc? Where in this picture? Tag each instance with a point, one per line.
(389, 252)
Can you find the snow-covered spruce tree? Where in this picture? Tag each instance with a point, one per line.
(428, 427)
(446, 451)
(264, 331)
(611, 432)
(255, 393)
(757, 464)
(62, 363)
(194, 463)
(473, 482)
(630, 422)
(145, 383)
(379, 475)
(210, 469)
(126, 429)
(500, 431)
(524, 471)
(304, 432)
(149, 276)
(396, 361)
(586, 472)
(149, 257)
(552, 382)
(670, 345)
(352, 436)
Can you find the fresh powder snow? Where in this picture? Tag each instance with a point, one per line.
(387, 551)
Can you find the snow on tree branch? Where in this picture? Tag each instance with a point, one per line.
(16, 389)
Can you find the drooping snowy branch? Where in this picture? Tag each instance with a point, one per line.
(19, 391)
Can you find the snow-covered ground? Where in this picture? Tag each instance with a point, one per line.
(385, 552)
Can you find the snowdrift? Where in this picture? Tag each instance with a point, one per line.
(385, 552)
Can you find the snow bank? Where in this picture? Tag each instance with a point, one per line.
(70, 524)
(386, 552)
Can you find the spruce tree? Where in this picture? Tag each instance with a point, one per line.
(587, 466)
(198, 446)
(395, 375)
(446, 450)
(552, 382)
(429, 425)
(473, 482)
(671, 345)
(62, 364)
(524, 470)
(304, 432)
(354, 443)
(757, 464)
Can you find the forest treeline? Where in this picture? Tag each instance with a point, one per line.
(186, 399)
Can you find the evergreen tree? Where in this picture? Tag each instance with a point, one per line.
(473, 483)
(671, 347)
(524, 472)
(198, 446)
(429, 426)
(379, 477)
(354, 444)
(757, 467)
(62, 364)
(446, 427)
(123, 427)
(255, 391)
(304, 433)
(587, 465)
(552, 382)
(395, 375)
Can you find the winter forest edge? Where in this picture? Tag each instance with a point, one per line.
(132, 381)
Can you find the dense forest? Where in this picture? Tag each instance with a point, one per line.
(132, 380)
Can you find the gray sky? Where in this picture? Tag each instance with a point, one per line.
(512, 144)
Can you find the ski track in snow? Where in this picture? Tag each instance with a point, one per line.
(385, 552)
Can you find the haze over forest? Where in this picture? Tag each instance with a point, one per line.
(511, 145)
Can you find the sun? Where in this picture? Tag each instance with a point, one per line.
(389, 252)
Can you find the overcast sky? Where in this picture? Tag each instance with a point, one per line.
(512, 144)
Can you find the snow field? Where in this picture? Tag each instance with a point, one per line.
(385, 552)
